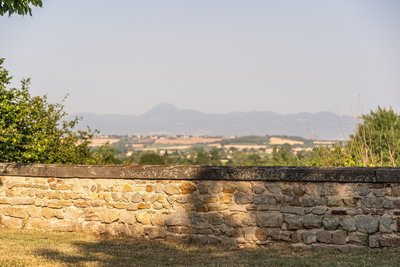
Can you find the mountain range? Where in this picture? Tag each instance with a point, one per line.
(168, 119)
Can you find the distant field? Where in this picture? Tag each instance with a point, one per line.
(36, 248)
(282, 141)
(187, 141)
(103, 141)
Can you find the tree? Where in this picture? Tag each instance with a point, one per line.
(376, 141)
(20, 7)
(151, 159)
(33, 130)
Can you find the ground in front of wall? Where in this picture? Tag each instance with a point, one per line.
(36, 248)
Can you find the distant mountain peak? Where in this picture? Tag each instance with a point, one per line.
(163, 107)
(166, 118)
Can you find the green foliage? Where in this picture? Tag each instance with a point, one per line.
(376, 141)
(151, 159)
(33, 130)
(20, 7)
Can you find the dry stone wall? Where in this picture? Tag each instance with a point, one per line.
(206, 205)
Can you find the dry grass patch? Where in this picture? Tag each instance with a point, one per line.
(34, 248)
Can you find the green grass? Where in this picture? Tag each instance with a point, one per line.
(34, 248)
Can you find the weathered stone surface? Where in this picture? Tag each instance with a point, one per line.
(319, 210)
(143, 217)
(358, 238)
(294, 222)
(157, 219)
(373, 241)
(243, 198)
(187, 188)
(214, 218)
(245, 219)
(127, 217)
(309, 237)
(279, 235)
(108, 215)
(171, 189)
(392, 240)
(367, 224)
(63, 226)
(261, 234)
(312, 221)
(293, 210)
(269, 219)
(387, 224)
(339, 237)
(177, 219)
(348, 224)
(330, 222)
(11, 222)
(238, 210)
(16, 212)
(324, 236)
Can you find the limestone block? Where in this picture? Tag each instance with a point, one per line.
(243, 198)
(171, 189)
(127, 217)
(319, 210)
(63, 226)
(358, 238)
(16, 212)
(324, 236)
(177, 219)
(312, 221)
(21, 201)
(348, 224)
(387, 224)
(258, 188)
(261, 234)
(309, 237)
(203, 188)
(391, 240)
(137, 197)
(330, 222)
(308, 201)
(294, 222)
(59, 204)
(142, 206)
(108, 215)
(214, 218)
(143, 217)
(34, 212)
(372, 202)
(127, 188)
(11, 222)
(279, 235)
(187, 188)
(339, 237)
(367, 224)
(269, 219)
(154, 232)
(265, 199)
(157, 219)
(373, 241)
(48, 213)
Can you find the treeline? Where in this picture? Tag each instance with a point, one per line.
(35, 131)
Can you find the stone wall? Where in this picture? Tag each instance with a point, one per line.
(246, 206)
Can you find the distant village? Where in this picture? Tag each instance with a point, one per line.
(187, 147)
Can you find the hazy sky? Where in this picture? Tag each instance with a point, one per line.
(123, 57)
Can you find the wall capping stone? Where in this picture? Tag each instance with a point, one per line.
(276, 173)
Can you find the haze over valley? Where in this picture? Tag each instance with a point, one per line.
(167, 119)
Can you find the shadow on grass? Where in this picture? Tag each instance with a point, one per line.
(110, 252)
(134, 253)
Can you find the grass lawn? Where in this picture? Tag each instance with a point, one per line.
(34, 248)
